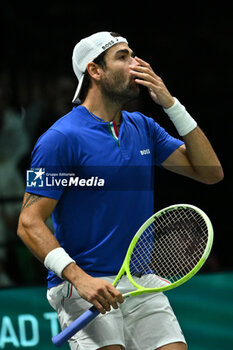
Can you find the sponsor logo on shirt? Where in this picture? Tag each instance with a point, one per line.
(145, 151)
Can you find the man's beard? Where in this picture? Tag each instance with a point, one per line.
(117, 90)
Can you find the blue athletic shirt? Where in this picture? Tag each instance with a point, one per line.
(95, 224)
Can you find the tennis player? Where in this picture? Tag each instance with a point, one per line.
(94, 225)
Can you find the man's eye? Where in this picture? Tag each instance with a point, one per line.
(122, 57)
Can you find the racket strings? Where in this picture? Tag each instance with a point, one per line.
(169, 248)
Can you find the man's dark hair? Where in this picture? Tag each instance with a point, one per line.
(100, 60)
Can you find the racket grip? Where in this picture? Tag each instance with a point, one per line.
(75, 326)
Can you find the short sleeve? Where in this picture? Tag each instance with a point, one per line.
(50, 157)
(164, 144)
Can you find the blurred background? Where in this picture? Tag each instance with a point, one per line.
(188, 44)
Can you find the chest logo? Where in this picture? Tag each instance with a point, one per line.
(145, 151)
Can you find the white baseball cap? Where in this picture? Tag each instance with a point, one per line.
(86, 50)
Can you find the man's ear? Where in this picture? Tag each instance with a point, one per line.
(94, 70)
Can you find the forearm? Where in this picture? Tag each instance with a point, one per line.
(40, 240)
(197, 159)
(202, 157)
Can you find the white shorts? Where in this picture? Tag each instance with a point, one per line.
(142, 322)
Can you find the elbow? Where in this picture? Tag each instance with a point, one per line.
(21, 229)
(25, 224)
(214, 177)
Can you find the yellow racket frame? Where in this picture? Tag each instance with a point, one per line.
(125, 266)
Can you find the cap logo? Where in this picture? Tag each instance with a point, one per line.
(106, 46)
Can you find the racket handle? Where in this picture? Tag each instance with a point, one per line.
(75, 326)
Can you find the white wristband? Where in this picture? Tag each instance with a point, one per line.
(181, 119)
(57, 260)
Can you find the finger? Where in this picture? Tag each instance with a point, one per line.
(143, 63)
(143, 70)
(148, 84)
(103, 300)
(145, 76)
(139, 75)
(116, 294)
(111, 299)
(139, 69)
(99, 307)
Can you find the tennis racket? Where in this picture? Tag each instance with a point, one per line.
(167, 250)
